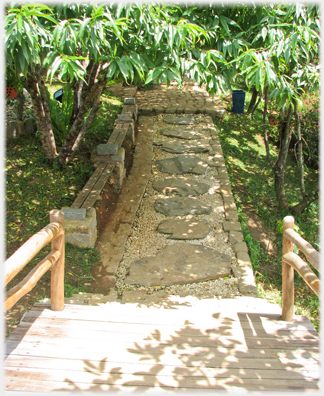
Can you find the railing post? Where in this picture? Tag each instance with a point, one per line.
(57, 271)
(287, 274)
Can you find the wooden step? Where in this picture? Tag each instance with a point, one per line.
(207, 344)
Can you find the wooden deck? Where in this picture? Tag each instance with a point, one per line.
(207, 345)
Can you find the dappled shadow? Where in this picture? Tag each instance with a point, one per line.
(247, 352)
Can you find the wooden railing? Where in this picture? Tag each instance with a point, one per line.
(53, 233)
(291, 261)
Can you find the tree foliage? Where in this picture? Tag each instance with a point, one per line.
(274, 47)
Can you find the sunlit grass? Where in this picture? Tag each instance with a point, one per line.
(252, 183)
(36, 185)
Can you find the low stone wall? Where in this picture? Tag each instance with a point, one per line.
(81, 224)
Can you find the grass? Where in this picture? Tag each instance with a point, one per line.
(34, 187)
(253, 189)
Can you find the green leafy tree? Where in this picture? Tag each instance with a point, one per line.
(281, 63)
(275, 47)
(86, 46)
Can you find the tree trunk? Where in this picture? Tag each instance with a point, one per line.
(265, 132)
(85, 126)
(20, 105)
(85, 86)
(43, 119)
(279, 167)
(308, 199)
(300, 156)
(88, 103)
(253, 100)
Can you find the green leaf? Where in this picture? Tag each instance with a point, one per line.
(294, 40)
(123, 67)
(264, 32)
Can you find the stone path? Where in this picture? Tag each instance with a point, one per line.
(183, 215)
(175, 230)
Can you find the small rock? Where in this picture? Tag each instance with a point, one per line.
(179, 206)
(178, 147)
(180, 133)
(179, 120)
(180, 186)
(179, 263)
(182, 164)
(184, 229)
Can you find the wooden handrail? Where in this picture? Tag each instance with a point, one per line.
(53, 233)
(291, 262)
(30, 248)
(304, 270)
(311, 254)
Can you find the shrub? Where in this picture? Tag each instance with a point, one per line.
(309, 123)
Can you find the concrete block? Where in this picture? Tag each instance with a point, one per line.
(129, 101)
(231, 215)
(120, 156)
(240, 247)
(107, 149)
(82, 233)
(235, 237)
(74, 213)
(119, 175)
(243, 259)
(229, 205)
(125, 117)
(232, 226)
(131, 132)
(247, 287)
(30, 126)
(15, 129)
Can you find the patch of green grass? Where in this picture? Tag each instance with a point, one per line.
(252, 184)
(36, 185)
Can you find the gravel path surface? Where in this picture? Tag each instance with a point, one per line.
(144, 241)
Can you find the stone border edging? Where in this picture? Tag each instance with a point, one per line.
(113, 239)
(81, 223)
(243, 271)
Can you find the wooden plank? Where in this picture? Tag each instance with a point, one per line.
(88, 186)
(114, 134)
(114, 373)
(210, 308)
(99, 185)
(163, 317)
(252, 366)
(184, 359)
(122, 133)
(157, 380)
(235, 343)
(195, 339)
(71, 346)
(117, 331)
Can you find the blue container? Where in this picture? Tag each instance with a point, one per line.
(58, 95)
(238, 97)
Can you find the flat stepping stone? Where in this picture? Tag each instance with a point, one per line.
(182, 164)
(180, 133)
(184, 229)
(178, 147)
(180, 206)
(179, 263)
(179, 120)
(180, 186)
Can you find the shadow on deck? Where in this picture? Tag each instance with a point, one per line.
(127, 348)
